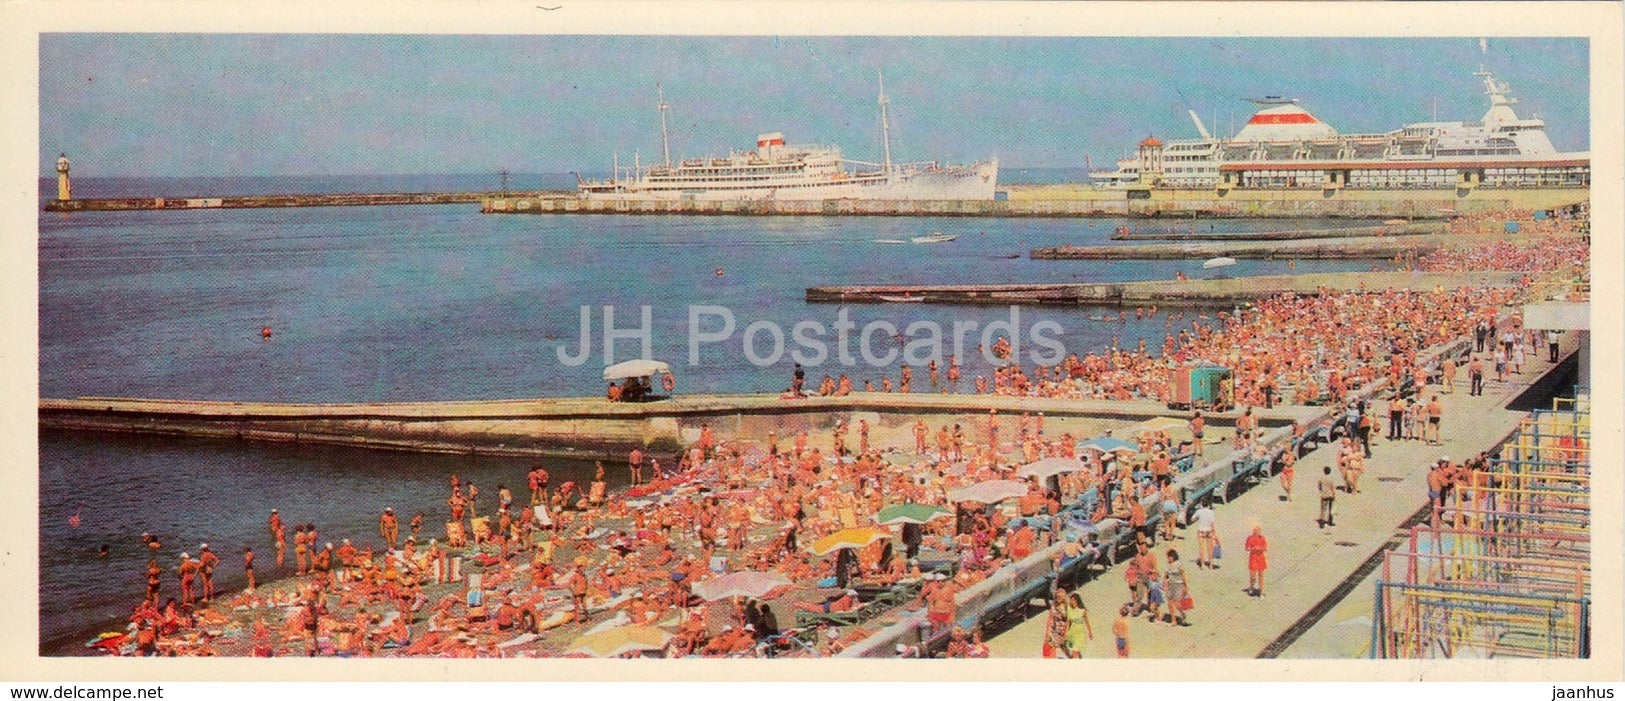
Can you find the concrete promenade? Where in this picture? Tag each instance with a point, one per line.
(1307, 564)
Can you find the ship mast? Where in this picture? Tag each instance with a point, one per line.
(885, 123)
(665, 138)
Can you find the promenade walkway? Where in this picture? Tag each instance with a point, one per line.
(1307, 564)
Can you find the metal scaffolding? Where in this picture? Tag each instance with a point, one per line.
(1505, 570)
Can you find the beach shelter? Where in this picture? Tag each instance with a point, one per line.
(1109, 445)
(989, 492)
(752, 584)
(619, 641)
(635, 368)
(1050, 467)
(911, 513)
(849, 538)
(1220, 262)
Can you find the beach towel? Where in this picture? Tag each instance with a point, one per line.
(554, 620)
(520, 639)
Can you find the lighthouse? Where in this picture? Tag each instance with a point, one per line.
(64, 189)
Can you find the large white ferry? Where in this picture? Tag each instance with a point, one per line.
(1283, 146)
(776, 171)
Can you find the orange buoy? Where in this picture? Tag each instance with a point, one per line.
(265, 332)
(719, 272)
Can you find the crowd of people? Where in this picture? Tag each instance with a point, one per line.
(505, 574)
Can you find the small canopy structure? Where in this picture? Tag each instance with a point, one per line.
(635, 368)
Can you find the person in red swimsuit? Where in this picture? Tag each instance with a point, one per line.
(1256, 563)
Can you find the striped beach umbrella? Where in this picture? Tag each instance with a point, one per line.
(910, 513)
(849, 538)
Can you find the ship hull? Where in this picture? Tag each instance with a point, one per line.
(972, 182)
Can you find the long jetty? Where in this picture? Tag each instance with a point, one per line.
(1407, 229)
(581, 427)
(120, 204)
(1222, 292)
(1345, 248)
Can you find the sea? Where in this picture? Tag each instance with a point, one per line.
(441, 302)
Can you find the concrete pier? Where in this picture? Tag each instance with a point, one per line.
(1346, 248)
(583, 428)
(1168, 293)
(266, 201)
(1286, 235)
(1081, 201)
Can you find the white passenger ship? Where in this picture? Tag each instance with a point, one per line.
(776, 171)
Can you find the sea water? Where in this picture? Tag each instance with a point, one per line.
(403, 303)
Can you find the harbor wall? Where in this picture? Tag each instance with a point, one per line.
(580, 428)
(1221, 292)
(1082, 201)
(269, 201)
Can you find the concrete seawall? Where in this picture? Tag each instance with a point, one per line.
(585, 428)
(1324, 249)
(1167, 293)
(1288, 235)
(1073, 201)
(269, 201)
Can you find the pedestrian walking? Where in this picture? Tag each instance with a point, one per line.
(1328, 495)
(1257, 562)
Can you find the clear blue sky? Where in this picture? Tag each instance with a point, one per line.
(179, 104)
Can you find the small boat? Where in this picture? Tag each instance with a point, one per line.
(1220, 262)
(934, 237)
(901, 298)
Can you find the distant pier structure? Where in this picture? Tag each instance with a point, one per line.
(64, 188)
(64, 201)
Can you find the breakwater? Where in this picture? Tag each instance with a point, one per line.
(123, 204)
(582, 428)
(1290, 235)
(1080, 201)
(1362, 248)
(1222, 292)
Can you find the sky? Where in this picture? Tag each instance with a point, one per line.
(292, 104)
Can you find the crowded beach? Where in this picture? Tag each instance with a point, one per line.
(804, 544)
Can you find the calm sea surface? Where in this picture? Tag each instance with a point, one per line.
(406, 303)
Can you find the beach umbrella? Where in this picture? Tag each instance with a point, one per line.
(635, 368)
(1161, 423)
(1220, 262)
(989, 492)
(1109, 445)
(619, 641)
(756, 585)
(1049, 467)
(910, 513)
(849, 538)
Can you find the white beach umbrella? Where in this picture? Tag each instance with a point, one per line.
(635, 368)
